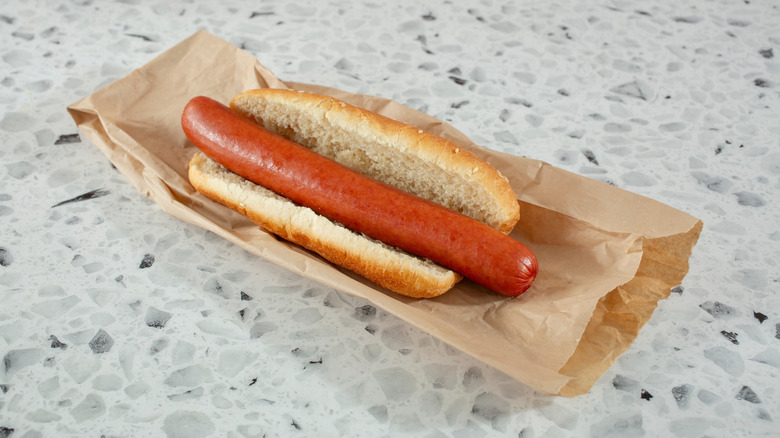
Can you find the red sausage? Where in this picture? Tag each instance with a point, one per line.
(451, 239)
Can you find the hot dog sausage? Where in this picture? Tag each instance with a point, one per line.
(368, 206)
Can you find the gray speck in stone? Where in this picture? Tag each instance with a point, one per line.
(5, 257)
(637, 89)
(245, 297)
(687, 19)
(623, 424)
(6, 432)
(493, 409)
(365, 313)
(731, 336)
(396, 383)
(767, 53)
(623, 383)
(379, 412)
(737, 22)
(90, 408)
(590, 156)
(769, 357)
(4, 388)
(15, 360)
(729, 361)
(23, 35)
(718, 309)
(146, 262)
(101, 342)
(189, 376)
(777, 330)
(746, 393)
(156, 318)
(158, 345)
(678, 290)
(473, 379)
(5, 210)
(505, 137)
(190, 394)
(214, 286)
(616, 127)
(16, 121)
(68, 139)
(20, 169)
(635, 178)
(55, 343)
(188, 424)
(672, 127)
(682, 395)
(749, 199)
(752, 278)
(707, 397)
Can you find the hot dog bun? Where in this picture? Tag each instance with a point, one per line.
(384, 149)
(398, 154)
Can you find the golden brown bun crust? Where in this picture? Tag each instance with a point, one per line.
(394, 152)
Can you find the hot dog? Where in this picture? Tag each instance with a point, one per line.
(240, 150)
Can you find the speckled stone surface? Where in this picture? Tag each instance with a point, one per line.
(119, 320)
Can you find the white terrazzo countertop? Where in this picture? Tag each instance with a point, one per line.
(119, 320)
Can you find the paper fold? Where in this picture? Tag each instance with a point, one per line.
(606, 256)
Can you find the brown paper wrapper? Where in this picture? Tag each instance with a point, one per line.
(606, 256)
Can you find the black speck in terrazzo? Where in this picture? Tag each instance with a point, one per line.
(718, 309)
(5, 257)
(55, 343)
(749, 199)
(254, 380)
(761, 83)
(767, 53)
(147, 261)
(457, 80)
(4, 389)
(101, 342)
(97, 193)
(429, 17)
(747, 394)
(457, 105)
(687, 20)
(261, 14)
(777, 330)
(564, 92)
(760, 317)
(146, 38)
(365, 313)
(682, 395)
(590, 156)
(645, 395)
(731, 336)
(245, 297)
(294, 424)
(372, 329)
(68, 139)
(6, 432)
(678, 290)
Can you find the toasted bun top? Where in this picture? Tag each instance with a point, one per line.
(393, 152)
